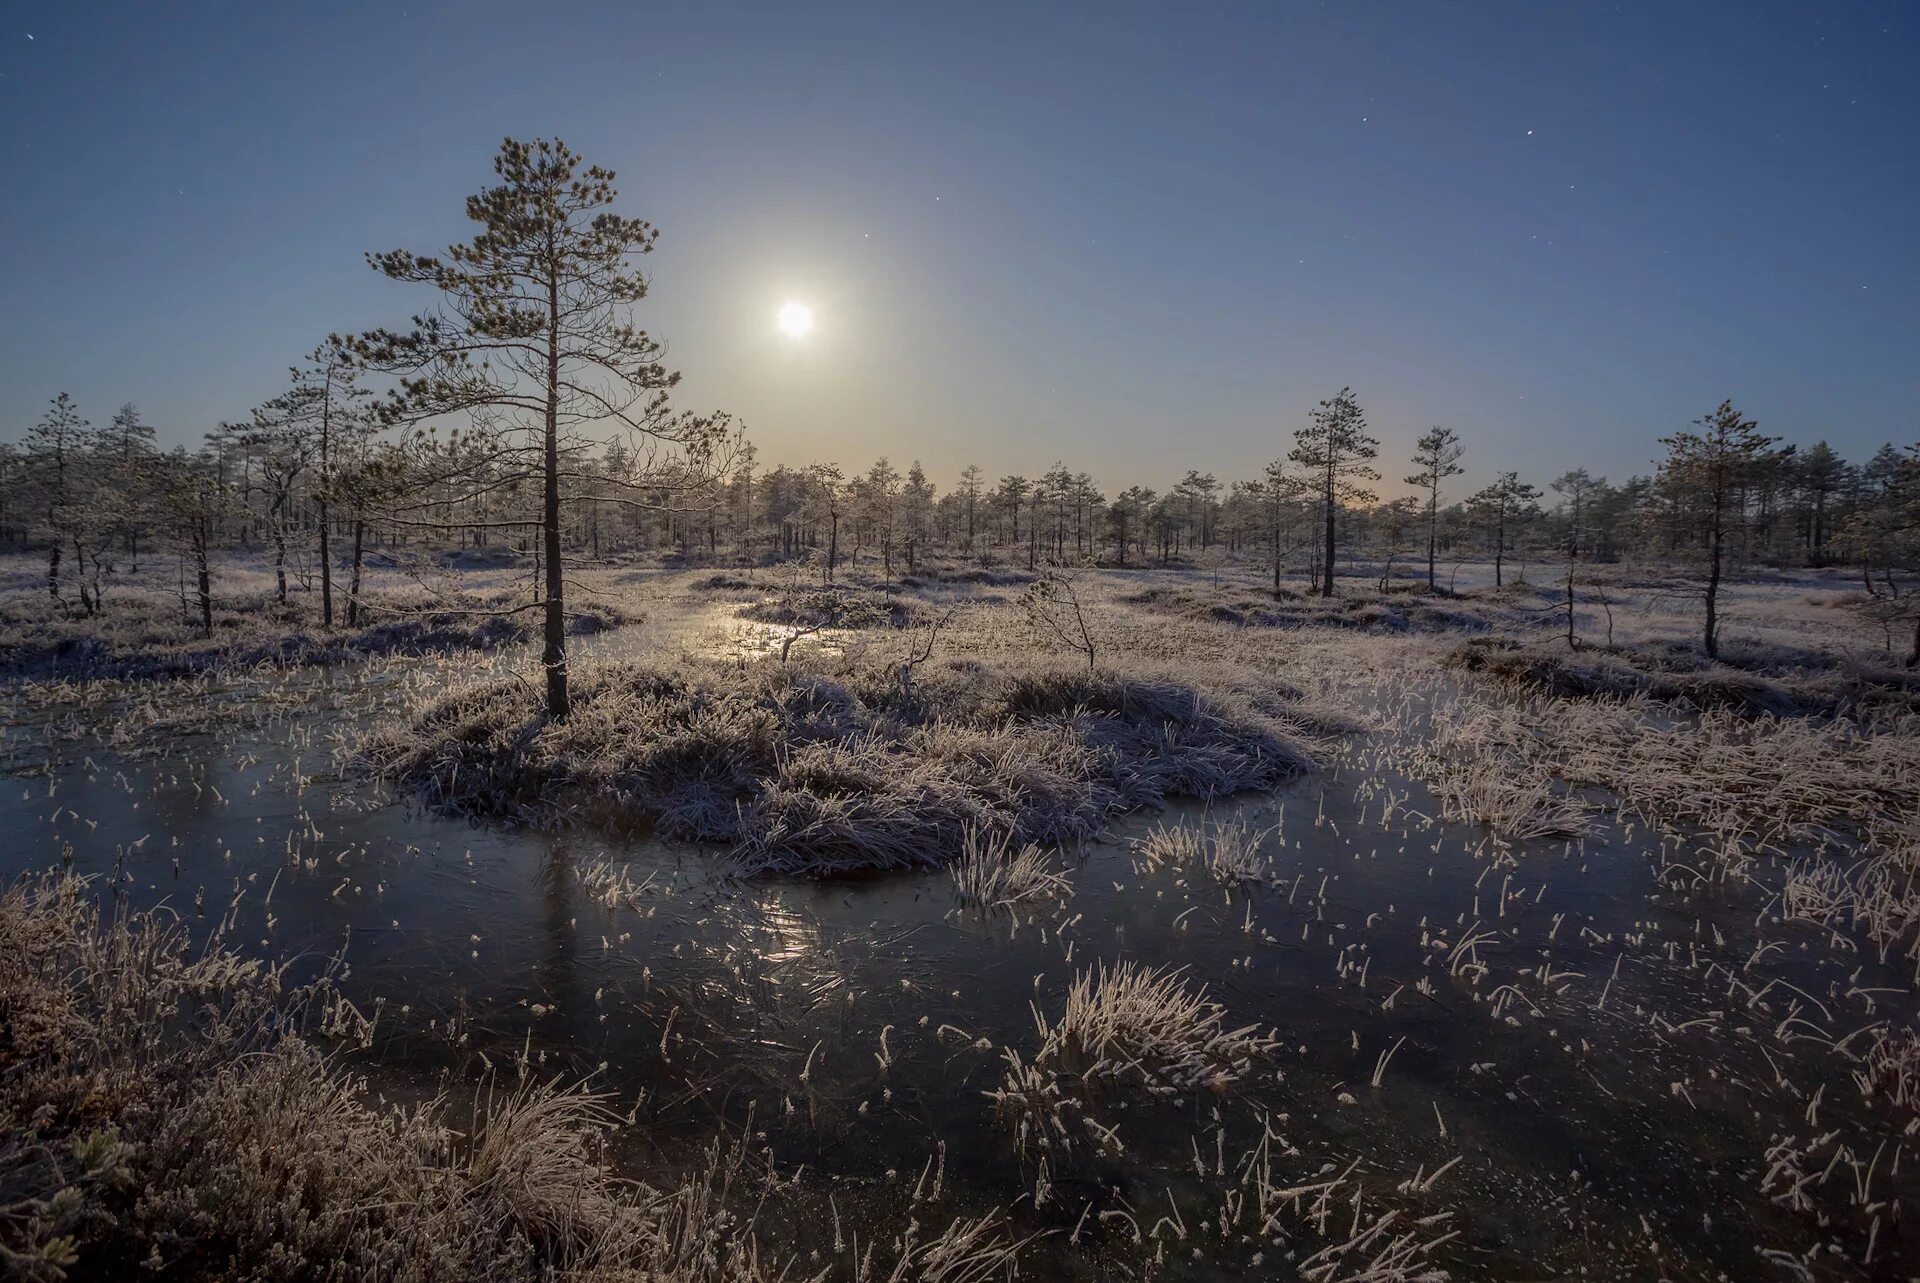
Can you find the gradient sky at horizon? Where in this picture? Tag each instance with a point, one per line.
(1136, 239)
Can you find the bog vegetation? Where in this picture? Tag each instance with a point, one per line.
(864, 876)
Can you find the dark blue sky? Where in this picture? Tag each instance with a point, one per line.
(1136, 239)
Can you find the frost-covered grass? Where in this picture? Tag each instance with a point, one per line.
(1486, 766)
(1126, 1026)
(804, 766)
(1731, 1012)
(168, 1115)
(1230, 851)
(149, 627)
(1146, 1027)
(990, 874)
(1778, 682)
(1358, 609)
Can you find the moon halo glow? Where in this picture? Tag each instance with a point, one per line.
(795, 320)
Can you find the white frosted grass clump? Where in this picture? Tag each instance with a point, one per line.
(1516, 799)
(1759, 781)
(202, 1092)
(1230, 851)
(969, 1250)
(1124, 1026)
(610, 882)
(1140, 1026)
(1890, 1067)
(820, 767)
(1130, 1023)
(1876, 896)
(1486, 765)
(990, 874)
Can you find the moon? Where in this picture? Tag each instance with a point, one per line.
(795, 320)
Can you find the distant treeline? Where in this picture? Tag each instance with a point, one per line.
(525, 411)
(95, 497)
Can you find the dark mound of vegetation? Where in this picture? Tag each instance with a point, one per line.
(837, 608)
(487, 557)
(1602, 674)
(46, 645)
(810, 772)
(1398, 612)
(169, 1116)
(723, 581)
(984, 576)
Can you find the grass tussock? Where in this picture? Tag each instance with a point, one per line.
(991, 875)
(1231, 851)
(809, 770)
(1127, 1026)
(1752, 680)
(1486, 765)
(841, 607)
(1368, 612)
(1599, 674)
(1758, 781)
(1752, 782)
(165, 1117)
(1149, 1028)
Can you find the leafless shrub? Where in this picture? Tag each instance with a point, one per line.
(1053, 605)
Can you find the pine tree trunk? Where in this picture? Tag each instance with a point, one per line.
(1713, 595)
(1433, 536)
(554, 652)
(326, 568)
(1572, 641)
(1326, 567)
(277, 534)
(80, 575)
(353, 584)
(203, 580)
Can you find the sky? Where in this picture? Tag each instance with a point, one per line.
(1138, 239)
